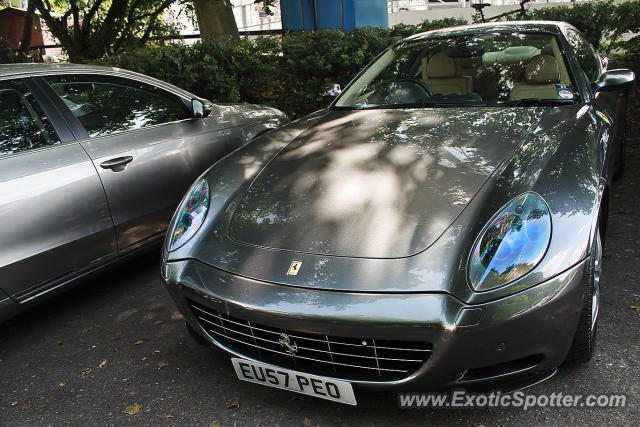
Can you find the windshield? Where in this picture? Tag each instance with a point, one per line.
(507, 69)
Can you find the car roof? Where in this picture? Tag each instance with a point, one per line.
(31, 69)
(554, 27)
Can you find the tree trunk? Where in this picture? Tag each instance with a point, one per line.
(215, 19)
(25, 42)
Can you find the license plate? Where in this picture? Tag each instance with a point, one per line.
(299, 382)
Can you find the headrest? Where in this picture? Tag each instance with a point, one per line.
(441, 66)
(510, 55)
(542, 69)
(518, 54)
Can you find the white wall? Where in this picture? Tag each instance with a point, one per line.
(414, 17)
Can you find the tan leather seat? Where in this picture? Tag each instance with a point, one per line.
(541, 75)
(439, 73)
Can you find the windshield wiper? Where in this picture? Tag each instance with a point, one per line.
(426, 104)
(443, 104)
(534, 102)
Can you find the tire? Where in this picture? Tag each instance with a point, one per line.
(584, 340)
(618, 169)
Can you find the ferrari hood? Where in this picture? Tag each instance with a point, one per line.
(376, 183)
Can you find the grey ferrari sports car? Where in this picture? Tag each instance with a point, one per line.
(93, 161)
(439, 225)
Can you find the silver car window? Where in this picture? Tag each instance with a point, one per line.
(106, 104)
(23, 125)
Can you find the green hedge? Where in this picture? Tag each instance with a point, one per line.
(284, 71)
(288, 71)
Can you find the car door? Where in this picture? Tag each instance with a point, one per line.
(140, 138)
(53, 210)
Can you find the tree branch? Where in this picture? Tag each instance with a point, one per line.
(154, 14)
(90, 14)
(57, 27)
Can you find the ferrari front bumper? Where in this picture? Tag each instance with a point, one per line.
(508, 343)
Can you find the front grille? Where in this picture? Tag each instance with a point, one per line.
(354, 359)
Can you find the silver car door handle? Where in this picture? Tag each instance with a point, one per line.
(116, 164)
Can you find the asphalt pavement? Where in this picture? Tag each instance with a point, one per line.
(114, 351)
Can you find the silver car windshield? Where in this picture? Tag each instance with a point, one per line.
(506, 69)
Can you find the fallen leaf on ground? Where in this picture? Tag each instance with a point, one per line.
(168, 416)
(63, 383)
(160, 365)
(306, 421)
(101, 365)
(233, 404)
(59, 343)
(89, 327)
(139, 342)
(25, 404)
(158, 322)
(635, 307)
(132, 409)
(86, 372)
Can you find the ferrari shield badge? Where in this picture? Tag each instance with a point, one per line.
(294, 268)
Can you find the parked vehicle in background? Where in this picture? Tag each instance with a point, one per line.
(93, 162)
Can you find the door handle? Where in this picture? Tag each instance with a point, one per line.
(117, 164)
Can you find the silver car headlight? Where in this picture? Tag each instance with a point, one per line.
(189, 216)
(511, 244)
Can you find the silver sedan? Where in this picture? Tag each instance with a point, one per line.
(93, 162)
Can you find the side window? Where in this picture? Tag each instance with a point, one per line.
(106, 105)
(23, 125)
(586, 55)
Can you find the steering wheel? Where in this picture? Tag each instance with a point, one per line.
(415, 81)
(405, 90)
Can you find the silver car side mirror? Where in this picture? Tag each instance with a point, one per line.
(614, 79)
(197, 108)
(330, 90)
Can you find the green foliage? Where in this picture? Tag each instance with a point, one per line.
(224, 70)
(91, 29)
(7, 56)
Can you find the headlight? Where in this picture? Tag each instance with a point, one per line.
(189, 216)
(511, 244)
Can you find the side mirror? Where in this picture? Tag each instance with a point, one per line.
(197, 108)
(200, 109)
(330, 91)
(614, 80)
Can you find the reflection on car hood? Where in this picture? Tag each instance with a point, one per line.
(377, 183)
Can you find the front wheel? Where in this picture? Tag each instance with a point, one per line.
(585, 338)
